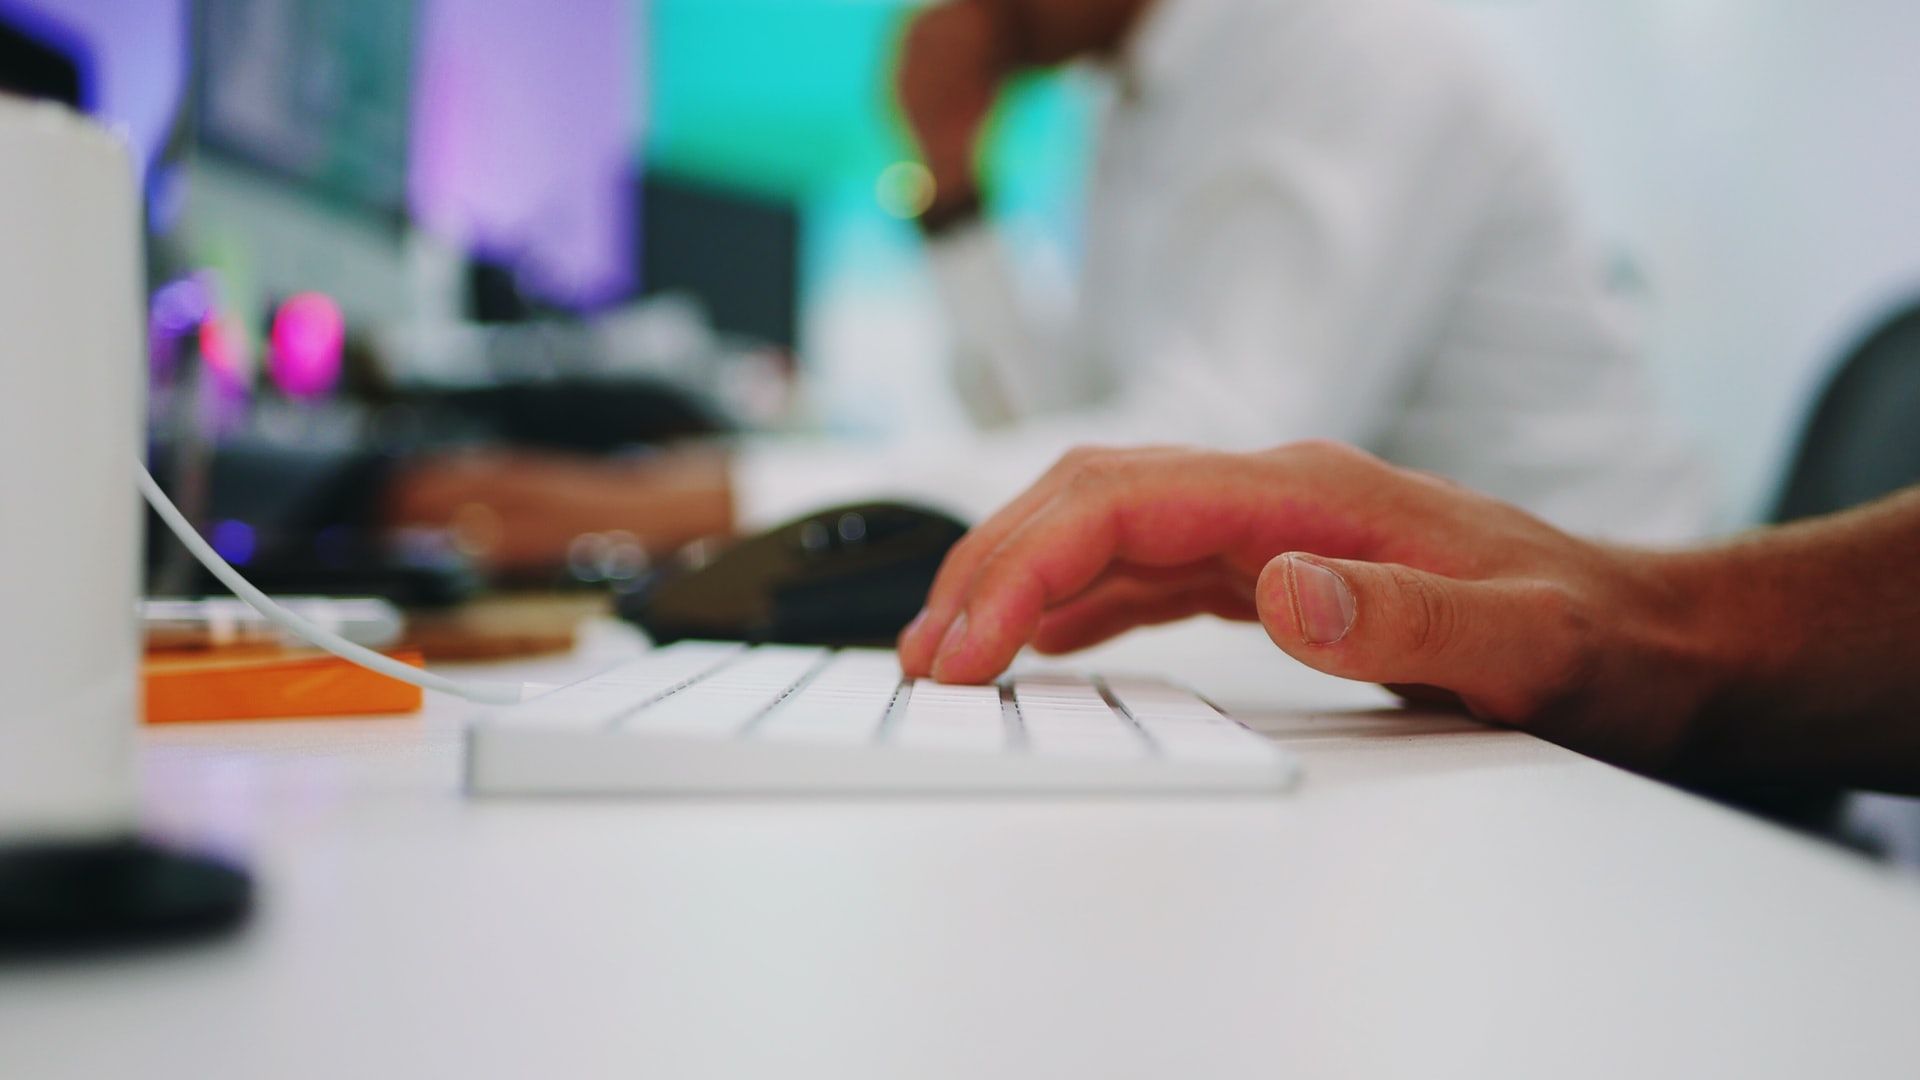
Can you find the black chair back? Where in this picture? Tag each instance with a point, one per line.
(1863, 439)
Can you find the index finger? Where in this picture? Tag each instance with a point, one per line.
(921, 639)
(1151, 509)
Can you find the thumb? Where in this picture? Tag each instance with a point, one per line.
(1499, 644)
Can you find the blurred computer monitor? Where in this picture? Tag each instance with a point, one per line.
(738, 254)
(299, 115)
(317, 92)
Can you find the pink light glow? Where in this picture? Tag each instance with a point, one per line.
(223, 349)
(308, 335)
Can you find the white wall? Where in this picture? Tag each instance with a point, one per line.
(1760, 162)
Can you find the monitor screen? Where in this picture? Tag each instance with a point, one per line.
(738, 254)
(316, 91)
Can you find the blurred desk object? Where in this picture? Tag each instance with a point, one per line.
(737, 255)
(270, 683)
(1437, 899)
(595, 417)
(504, 626)
(1860, 440)
(663, 367)
(33, 66)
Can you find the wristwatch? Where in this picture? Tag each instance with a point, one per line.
(948, 212)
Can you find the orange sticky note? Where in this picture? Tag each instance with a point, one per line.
(271, 685)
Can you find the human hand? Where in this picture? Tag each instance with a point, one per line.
(1355, 567)
(518, 511)
(952, 63)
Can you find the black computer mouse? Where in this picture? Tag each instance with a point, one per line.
(852, 575)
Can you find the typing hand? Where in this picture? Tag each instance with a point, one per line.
(1354, 567)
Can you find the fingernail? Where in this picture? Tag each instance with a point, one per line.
(913, 628)
(1322, 603)
(956, 636)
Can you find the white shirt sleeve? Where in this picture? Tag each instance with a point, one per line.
(1286, 250)
(1007, 364)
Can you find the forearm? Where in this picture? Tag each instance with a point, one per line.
(521, 511)
(1790, 655)
(1814, 632)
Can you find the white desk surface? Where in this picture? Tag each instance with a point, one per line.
(1437, 900)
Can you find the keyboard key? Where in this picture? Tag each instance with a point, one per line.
(608, 696)
(941, 717)
(727, 699)
(1067, 717)
(845, 703)
(671, 664)
(1186, 728)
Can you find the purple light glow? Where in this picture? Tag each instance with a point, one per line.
(234, 540)
(178, 308)
(308, 333)
(523, 139)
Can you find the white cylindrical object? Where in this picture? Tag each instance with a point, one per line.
(71, 423)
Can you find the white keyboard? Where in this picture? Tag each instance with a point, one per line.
(704, 718)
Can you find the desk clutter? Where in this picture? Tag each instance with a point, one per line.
(270, 683)
(234, 671)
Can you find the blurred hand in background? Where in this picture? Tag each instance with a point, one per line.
(517, 512)
(957, 56)
(953, 61)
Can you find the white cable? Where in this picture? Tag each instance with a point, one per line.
(484, 693)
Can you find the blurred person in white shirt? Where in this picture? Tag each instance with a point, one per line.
(1307, 219)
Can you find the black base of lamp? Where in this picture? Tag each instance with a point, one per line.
(89, 896)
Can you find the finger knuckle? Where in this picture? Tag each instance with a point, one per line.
(1431, 615)
(1010, 585)
(1323, 448)
(957, 566)
(1092, 468)
(1069, 464)
(1434, 479)
(1085, 455)
(1321, 453)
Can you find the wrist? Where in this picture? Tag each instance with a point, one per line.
(1726, 629)
(954, 206)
